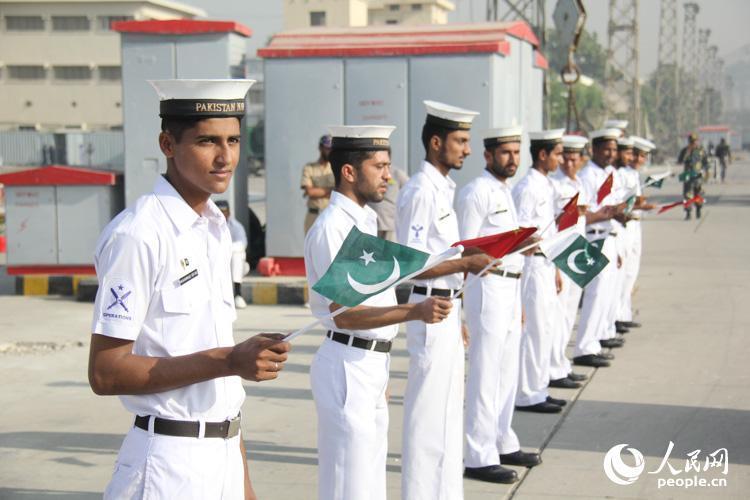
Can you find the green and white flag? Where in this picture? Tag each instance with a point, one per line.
(657, 180)
(629, 205)
(576, 257)
(366, 266)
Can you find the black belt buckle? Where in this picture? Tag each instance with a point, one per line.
(435, 292)
(360, 343)
(314, 211)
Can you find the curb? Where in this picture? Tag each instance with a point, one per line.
(41, 285)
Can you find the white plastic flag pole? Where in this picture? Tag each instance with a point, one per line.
(438, 259)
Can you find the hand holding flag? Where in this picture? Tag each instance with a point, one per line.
(498, 245)
(569, 215)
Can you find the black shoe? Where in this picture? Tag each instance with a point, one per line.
(564, 383)
(620, 328)
(521, 459)
(612, 343)
(492, 474)
(555, 401)
(631, 324)
(577, 377)
(590, 360)
(543, 407)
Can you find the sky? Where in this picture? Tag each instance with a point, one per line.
(727, 20)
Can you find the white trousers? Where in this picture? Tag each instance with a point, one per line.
(597, 302)
(432, 460)
(617, 283)
(632, 267)
(238, 264)
(569, 299)
(348, 385)
(539, 297)
(154, 467)
(493, 316)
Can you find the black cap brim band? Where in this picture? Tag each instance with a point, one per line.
(546, 142)
(624, 147)
(598, 140)
(360, 144)
(572, 150)
(449, 124)
(202, 108)
(496, 141)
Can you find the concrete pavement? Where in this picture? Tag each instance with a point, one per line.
(682, 378)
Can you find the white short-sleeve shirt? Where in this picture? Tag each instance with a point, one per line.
(485, 207)
(565, 189)
(323, 242)
(164, 283)
(534, 197)
(425, 219)
(592, 177)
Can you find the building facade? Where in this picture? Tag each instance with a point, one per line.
(350, 13)
(60, 60)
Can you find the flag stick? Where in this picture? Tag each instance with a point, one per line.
(438, 260)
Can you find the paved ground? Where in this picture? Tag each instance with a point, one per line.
(682, 378)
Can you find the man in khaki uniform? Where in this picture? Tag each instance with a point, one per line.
(317, 182)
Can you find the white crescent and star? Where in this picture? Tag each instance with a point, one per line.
(365, 289)
(367, 257)
(572, 261)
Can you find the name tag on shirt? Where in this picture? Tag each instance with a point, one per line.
(192, 274)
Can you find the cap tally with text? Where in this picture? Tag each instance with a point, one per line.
(618, 124)
(642, 144)
(605, 134)
(574, 143)
(496, 136)
(553, 136)
(201, 98)
(361, 137)
(449, 117)
(625, 143)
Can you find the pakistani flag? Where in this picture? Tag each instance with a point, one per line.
(688, 175)
(366, 266)
(656, 180)
(576, 257)
(629, 204)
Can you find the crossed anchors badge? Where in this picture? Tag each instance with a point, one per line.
(119, 299)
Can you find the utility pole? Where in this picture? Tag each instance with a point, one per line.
(534, 14)
(689, 89)
(668, 77)
(621, 75)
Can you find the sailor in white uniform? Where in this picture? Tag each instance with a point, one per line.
(493, 315)
(534, 197)
(349, 374)
(432, 464)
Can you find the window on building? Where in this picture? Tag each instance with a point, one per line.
(391, 21)
(24, 23)
(72, 72)
(416, 6)
(26, 72)
(318, 18)
(105, 22)
(110, 73)
(70, 23)
(394, 7)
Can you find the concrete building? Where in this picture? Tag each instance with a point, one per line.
(351, 13)
(60, 60)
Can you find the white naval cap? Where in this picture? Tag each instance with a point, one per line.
(574, 142)
(625, 143)
(551, 136)
(201, 98)
(361, 137)
(447, 116)
(495, 136)
(642, 144)
(605, 134)
(620, 124)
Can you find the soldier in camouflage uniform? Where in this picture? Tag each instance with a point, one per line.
(694, 161)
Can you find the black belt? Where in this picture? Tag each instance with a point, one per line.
(360, 343)
(439, 292)
(225, 430)
(596, 231)
(538, 254)
(505, 274)
(313, 211)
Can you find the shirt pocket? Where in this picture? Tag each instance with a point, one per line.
(183, 307)
(445, 220)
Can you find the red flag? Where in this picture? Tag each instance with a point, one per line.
(668, 206)
(605, 188)
(497, 245)
(569, 215)
(695, 199)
